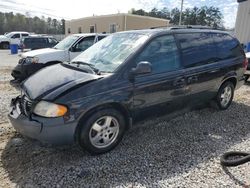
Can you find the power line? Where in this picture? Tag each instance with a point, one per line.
(34, 13)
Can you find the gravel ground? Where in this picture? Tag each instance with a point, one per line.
(179, 152)
(7, 59)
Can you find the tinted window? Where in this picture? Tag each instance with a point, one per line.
(15, 36)
(35, 40)
(24, 35)
(227, 46)
(85, 43)
(40, 40)
(162, 53)
(197, 49)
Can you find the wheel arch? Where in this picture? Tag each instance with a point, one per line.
(114, 105)
(232, 79)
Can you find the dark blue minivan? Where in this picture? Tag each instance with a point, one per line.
(125, 77)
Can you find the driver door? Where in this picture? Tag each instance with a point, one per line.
(81, 46)
(162, 90)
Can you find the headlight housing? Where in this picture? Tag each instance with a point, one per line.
(48, 109)
(30, 60)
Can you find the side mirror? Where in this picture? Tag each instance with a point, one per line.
(142, 67)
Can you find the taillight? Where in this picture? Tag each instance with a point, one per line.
(245, 63)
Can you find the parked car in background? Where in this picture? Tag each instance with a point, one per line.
(247, 73)
(126, 77)
(38, 42)
(65, 50)
(16, 35)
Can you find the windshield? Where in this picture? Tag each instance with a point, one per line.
(66, 43)
(111, 51)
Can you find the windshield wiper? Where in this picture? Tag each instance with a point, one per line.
(88, 64)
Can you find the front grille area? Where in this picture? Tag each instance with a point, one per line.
(26, 105)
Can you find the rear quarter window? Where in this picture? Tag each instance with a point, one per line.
(197, 48)
(227, 46)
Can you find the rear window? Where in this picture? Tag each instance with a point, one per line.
(197, 49)
(227, 46)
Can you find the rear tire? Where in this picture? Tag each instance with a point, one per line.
(102, 131)
(225, 95)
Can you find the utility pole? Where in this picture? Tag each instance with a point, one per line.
(181, 11)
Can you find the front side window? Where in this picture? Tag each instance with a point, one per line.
(85, 43)
(112, 51)
(162, 53)
(16, 36)
(197, 49)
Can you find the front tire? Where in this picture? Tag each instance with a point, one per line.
(102, 131)
(5, 45)
(225, 95)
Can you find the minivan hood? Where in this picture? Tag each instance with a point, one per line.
(56, 78)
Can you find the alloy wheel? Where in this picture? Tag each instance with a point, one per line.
(226, 96)
(104, 131)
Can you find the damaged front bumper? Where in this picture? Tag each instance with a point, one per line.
(46, 130)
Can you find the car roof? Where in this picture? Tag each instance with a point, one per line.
(39, 36)
(19, 32)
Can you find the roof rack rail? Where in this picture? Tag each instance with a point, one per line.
(186, 27)
(190, 27)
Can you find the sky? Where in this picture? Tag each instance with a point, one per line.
(72, 9)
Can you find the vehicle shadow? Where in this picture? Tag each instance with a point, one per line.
(151, 152)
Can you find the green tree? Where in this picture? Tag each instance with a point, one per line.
(209, 16)
(175, 16)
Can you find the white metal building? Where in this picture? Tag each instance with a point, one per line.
(242, 26)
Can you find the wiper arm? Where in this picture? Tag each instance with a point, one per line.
(88, 64)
